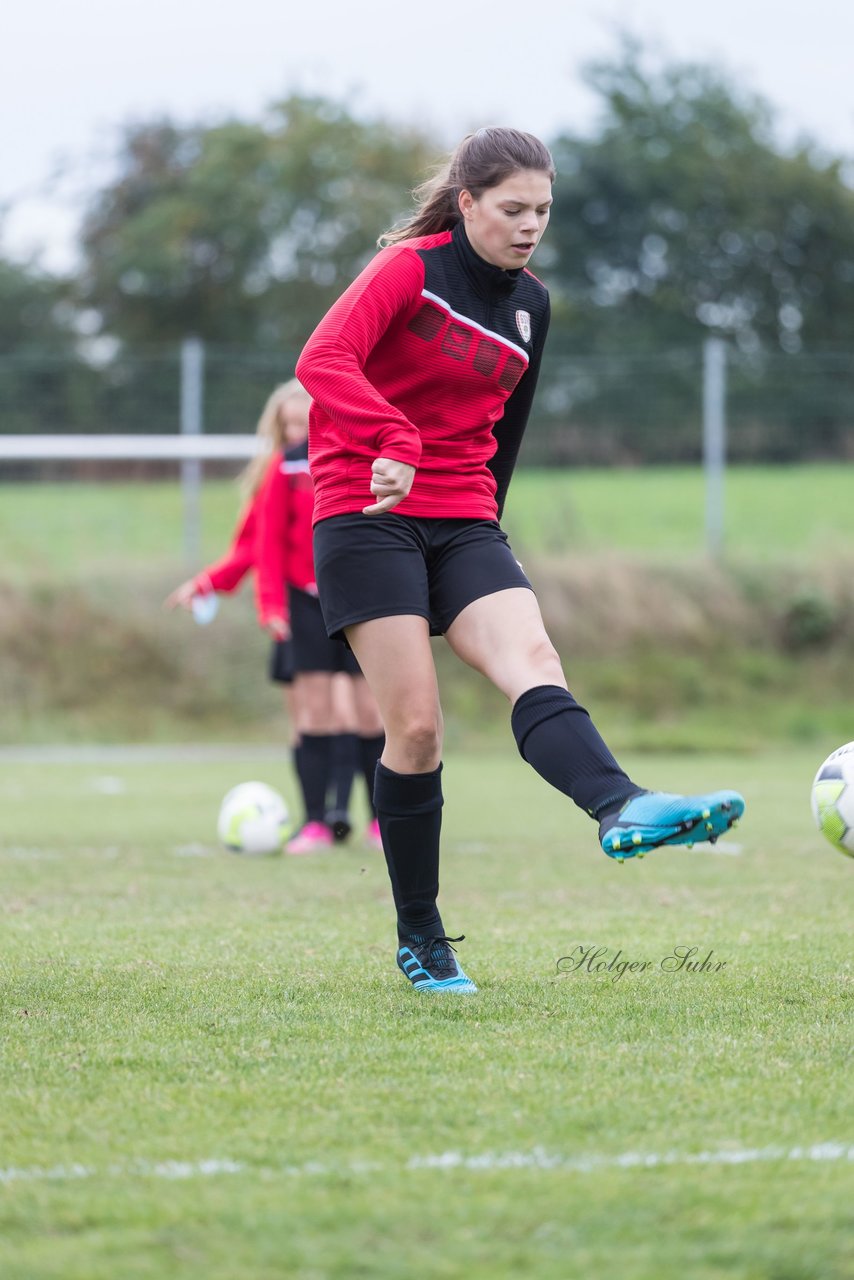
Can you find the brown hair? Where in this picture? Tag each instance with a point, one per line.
(271, 438)
(482, 160)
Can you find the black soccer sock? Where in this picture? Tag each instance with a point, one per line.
(342, 770)
(315, 754)
(370, 750)
(558, 739)
(409, 810)
(298, 762)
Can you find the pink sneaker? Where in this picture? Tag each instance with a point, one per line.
(312, 838)
(373, 839)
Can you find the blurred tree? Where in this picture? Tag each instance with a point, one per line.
(35, 314)
(243, 233)
(678, 216)
(681, 216)
(45, 385)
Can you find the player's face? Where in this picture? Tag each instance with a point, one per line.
(293, 420)
(504, 224)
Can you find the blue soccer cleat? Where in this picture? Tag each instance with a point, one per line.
(654, 818)
(431, 965)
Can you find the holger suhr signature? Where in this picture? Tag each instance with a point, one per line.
(602, 960)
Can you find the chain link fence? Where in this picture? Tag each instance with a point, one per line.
(618, 409)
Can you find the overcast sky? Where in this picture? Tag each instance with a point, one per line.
(71, 74)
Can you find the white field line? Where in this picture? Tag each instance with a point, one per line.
(488, 1162)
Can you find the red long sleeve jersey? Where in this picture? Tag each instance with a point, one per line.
(273, 538)
(430, 357)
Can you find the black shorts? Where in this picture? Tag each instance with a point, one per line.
(378, 566)
(313, 650)
(282, 662)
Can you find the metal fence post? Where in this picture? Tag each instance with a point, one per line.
(192, 407)
(714, 441)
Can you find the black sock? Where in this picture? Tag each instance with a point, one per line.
(298, 761)
(344, 760)
(315, 753)
(409, 810)
(370, 750)
(558, 739)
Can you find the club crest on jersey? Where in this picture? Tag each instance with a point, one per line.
(523, 324)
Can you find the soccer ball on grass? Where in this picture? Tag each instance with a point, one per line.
(833, 799)
(253, 820)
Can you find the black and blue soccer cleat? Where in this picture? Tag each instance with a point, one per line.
(431, 965)
(654, 819)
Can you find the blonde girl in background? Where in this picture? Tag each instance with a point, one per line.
(334, 718)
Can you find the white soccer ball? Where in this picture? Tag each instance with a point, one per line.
(253, 820)
(833, 799)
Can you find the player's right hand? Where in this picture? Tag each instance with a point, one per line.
(390, 483)
(278, 628)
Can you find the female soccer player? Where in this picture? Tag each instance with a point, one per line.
(422, 375)
(333, 718)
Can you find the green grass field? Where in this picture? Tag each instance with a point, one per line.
(210, 1066)
(674, 651)
(797, 513)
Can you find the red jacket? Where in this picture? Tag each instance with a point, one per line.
(430, 357)
(273, 538)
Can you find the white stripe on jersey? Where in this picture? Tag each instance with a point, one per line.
(490, 333)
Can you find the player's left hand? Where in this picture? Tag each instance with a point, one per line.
(390, 483)
(278, 628)
(182, 597)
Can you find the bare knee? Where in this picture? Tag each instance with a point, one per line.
(414, 741)
(313, 704)
(545, 659)
(312, 720)
(369, 723)
(536, 663)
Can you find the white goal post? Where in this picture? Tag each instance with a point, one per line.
(157, 448)
(190, 451)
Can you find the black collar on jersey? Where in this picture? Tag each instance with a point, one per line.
(485, 278)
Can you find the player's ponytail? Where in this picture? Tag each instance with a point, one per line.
(482, 160)
(270, 435)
